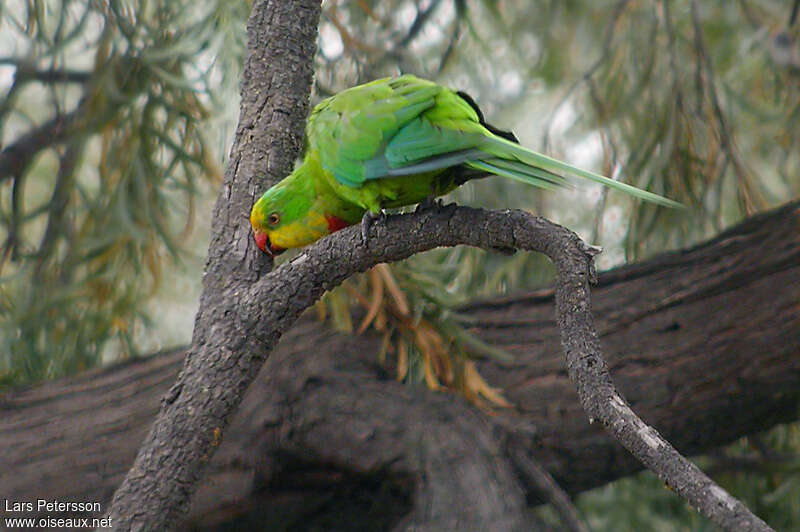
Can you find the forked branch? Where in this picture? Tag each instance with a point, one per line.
(242, 314)
(262, 311)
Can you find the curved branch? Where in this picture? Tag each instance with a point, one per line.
(224, 359)
(705, 337)
(240, 321)
(206, 394)
(17, 156)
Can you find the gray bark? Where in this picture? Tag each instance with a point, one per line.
(242, 316)
(704, 365)
(240, 321)
(226, 352)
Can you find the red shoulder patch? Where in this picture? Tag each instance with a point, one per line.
(335, 223)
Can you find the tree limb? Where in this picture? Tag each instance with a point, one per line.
(17, 156)
(705, 365)
(265, 309)
(226, 353)
(548, 488)
(239, 321)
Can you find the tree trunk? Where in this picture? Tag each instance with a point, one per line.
(709, 338)
(233, 333)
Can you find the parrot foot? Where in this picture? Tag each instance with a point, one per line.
(429, 203)
(368, 220)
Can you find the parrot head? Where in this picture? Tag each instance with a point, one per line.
(288, 216)
(266, 217)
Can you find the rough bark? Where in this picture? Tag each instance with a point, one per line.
(702, 342)
(168, 465)
(240, 321)
(226, 354)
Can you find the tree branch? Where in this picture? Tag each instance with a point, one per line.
(16, 157)
(27, 71)
(267, 308)
(721, 356)
(226, 354)
(240, 320)
(548, 488)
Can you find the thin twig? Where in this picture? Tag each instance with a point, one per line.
(15, 158)
(26, 72)
(619, 9)
(547, 486)
(419, 22)
(454, 35)
(752, 200)
(57, 206)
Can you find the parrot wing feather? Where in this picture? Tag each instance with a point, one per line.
(353, 127)
(424, 145)
(392, 128)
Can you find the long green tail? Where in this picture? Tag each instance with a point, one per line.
(519, 163)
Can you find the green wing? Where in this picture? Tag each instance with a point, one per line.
(353, 127)
(405, 126)
(515, 161)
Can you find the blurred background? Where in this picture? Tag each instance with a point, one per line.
(116, 118)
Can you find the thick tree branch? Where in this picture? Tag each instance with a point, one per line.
(705, 365)
(226, 354)
(239, 321)
(267, 308)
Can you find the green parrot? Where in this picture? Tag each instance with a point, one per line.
(395, 142)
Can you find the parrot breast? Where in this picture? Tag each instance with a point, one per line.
(335, 223)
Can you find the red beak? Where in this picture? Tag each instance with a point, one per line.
(263, 243)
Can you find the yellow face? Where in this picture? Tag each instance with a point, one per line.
(300, 232)
(294, 213)
(274, 236)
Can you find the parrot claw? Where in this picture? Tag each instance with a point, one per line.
(367, 221)
(429, 203)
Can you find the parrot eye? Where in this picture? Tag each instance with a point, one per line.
(273, 219)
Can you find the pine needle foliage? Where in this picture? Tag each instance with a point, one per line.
(103, 157)
(105, 150)
(695, 101)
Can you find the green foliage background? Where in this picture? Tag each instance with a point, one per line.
(116, 116)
